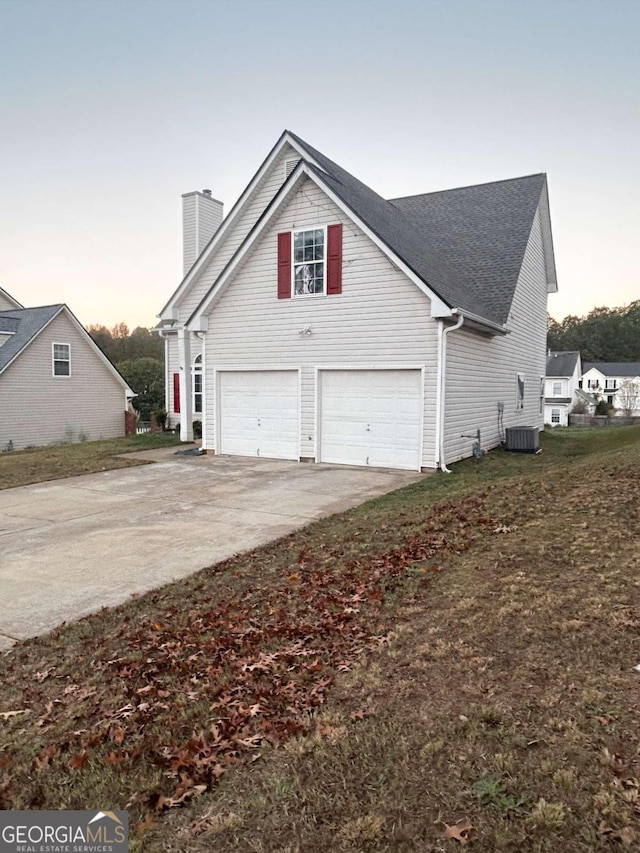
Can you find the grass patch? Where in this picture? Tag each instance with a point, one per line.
(55, 462)
(456, 657)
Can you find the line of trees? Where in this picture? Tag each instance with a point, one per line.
(139, 357)
(604, 334)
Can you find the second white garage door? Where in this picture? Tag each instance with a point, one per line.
(371, 417)
(259, 413)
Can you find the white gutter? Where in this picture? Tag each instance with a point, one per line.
(441, 387)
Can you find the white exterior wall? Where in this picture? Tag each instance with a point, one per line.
(37, 408)
(564, 387)
(482, 371)
(564, 414)
(591, 376)
(381, 319)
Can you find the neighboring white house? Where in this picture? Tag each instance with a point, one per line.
(322, 322)
(56, 385)
(617, 382)
(562, 387)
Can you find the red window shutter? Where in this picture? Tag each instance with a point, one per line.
(284, 265)
(334, 259)
(176, 393)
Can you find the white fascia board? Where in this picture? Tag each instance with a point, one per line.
(169, 312)
(547, 240)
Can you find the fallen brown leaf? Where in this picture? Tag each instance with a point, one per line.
(460, 831)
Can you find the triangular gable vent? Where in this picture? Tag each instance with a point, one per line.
(289, 166)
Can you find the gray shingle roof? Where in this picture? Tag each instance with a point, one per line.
(26, 323)
(614, 368)
(466, 244)
(562, 363)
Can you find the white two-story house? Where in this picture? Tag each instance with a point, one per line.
(616, 382)
(321, 322)
(561, 386)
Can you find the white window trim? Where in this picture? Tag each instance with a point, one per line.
(557, 384)
(196, 369)
(295, 231)
(555, 412)
(55, 344)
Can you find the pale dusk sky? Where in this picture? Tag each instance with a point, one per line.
(110, 109)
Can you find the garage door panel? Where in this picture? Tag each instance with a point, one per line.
(371, 417)
(259, 414)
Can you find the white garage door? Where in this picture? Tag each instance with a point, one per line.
(371, 417)
(259, 413)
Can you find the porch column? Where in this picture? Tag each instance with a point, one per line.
(186, 395)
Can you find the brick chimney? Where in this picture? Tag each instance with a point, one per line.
(201, 217)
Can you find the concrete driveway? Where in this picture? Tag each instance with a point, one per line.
(70, 547)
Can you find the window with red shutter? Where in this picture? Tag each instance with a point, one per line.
(314, 267)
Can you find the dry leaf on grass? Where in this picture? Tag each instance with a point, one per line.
(460, 831)
(6, 714)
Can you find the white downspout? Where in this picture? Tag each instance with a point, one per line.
(441, 385)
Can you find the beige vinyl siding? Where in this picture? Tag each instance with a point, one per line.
(253, 208)
(38, 408)
(381, 319)
(482, 371)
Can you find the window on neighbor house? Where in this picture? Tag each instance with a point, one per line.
(555, 416)
(593, 383)
(610, 384)
(61, 359)
(196, 381)
(308, 262)
(520, 391)
(557, 389)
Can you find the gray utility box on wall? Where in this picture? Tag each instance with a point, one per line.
(523, 439)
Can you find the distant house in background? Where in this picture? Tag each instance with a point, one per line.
(616, 382)
(56, 385)
(562, 387)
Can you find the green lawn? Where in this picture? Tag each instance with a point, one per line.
(452, 663)
(36, 465)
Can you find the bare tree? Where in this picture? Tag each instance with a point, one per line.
(628, 396)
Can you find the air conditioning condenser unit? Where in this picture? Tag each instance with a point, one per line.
(523, 439)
